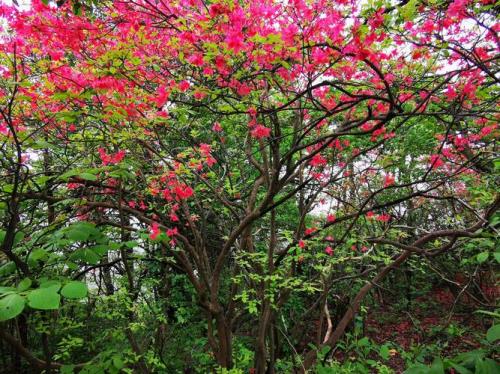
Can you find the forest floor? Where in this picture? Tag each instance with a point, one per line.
(432, 325)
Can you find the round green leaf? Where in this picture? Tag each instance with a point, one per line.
(493, 333)
(77, 235)
(74, 290)
(10, 306)
(44, 298)
(53, 284)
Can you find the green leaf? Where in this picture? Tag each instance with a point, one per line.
(88, 176)
(74, 290)
(77, 8)
(68, 174)
(78, 173)
(384, 352)
(460, 369)
(497, 256)
(82, 231)
(100, 250)
(8, 188)
(86, 255)
(417, 369)
(24, 285)
(118, 362)
(60, 96)
(67, 116)
(77, 235)
(437, 366)
(482, 257)
(8, 268)
(469, 358)
(493, 333)
(6, 289)
(55, 285)
(86, 228)
(488, 366)
(38, 254)
(131, 244)
(363, 342)
(44, 298)
(67, 369)
(11, 306)
(409, 10)
(18, 237)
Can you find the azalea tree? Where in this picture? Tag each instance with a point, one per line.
(259, 158)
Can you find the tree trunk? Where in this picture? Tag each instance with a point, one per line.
(260, 357)
(223, 353)
(310, 357)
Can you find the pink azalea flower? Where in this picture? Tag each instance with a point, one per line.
(260, 132)
(155, 230)
(317, 160)
(217, 127)
(383, 217)
(389, 180)
(183, 191)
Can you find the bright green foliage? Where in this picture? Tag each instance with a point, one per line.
(74, 290)
(10, 306)
(46, 298)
